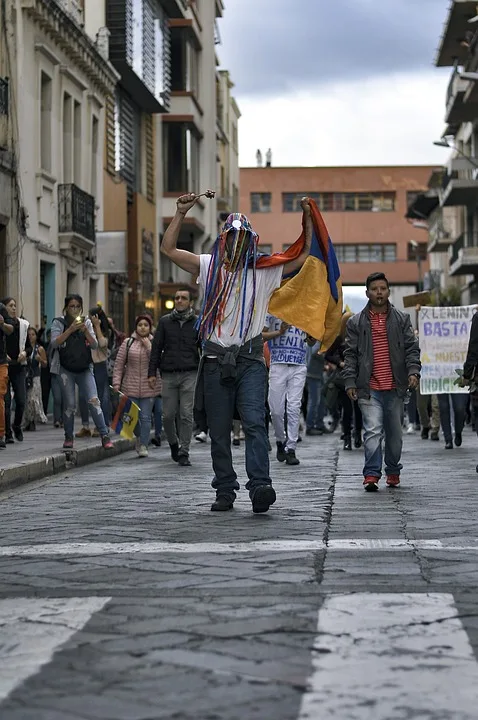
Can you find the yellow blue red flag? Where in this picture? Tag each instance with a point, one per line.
(126, 417)
(311, 299)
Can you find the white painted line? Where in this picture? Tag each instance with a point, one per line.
(90, 549)
(148, 548)
(32, 629)
(381, 656)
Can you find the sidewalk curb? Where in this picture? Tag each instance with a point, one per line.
(53, 464)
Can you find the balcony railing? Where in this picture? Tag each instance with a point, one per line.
(465, 240)
(3, 96)
(76, 212)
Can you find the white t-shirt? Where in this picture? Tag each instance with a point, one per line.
(267, 280)
(291, 347)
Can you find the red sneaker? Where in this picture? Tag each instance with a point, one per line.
(393, 480)
(371, 483)
(106, 442)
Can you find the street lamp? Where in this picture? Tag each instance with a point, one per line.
(418, 258)
(443, 142)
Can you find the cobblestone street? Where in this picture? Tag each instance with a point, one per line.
(123, 597)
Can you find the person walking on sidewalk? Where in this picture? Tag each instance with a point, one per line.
(100, 371)
(232, 375)
(131, 374)
(315, 384)
(6, 329)
(382, 361)
(17, 346)
(288, 370)
(72, 339)
(175, 353)
(36, 360)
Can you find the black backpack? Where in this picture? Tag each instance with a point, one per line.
(75, 353)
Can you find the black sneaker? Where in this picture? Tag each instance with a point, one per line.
(184, 461)
(156, 441)
(236, 442)
(425, 432)
(291, 459)
(174, 451)
(280, 452)
(223, 502)
(263, 497)
(434, 436)
(18, 434)
(9, 439)
(458, 439)
(358, 440)
(3, 444)
(449, 445)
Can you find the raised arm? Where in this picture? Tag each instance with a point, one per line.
(308, 228)
(186, 260)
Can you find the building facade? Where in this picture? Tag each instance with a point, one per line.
(456, 211)
(364, 209)
(59, 82)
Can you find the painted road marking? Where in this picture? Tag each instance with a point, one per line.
(390, 656)
(149, 548)
(32, 629)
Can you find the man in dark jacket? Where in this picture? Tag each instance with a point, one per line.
(382, 360)
(175, 353)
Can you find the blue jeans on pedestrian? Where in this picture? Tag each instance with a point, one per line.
(143, 428)
(57, 398)
(458, 401)
(315, 404)
(86, 386)
(248, 396)
(100, 372)
(382, 418)
(158, 416)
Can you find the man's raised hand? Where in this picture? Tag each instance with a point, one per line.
(305, 205)
(186, 202)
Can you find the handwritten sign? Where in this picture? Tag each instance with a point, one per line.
(444, 333)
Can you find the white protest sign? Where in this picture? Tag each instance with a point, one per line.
(444, 333)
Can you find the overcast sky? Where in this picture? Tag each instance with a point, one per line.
(337, 82)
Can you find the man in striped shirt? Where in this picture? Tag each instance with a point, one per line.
(382, 361)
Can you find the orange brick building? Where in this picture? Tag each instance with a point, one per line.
(364, 208)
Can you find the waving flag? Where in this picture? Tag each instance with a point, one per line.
(126, 417)
(311, 298)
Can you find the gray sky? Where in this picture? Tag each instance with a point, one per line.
(336, 82)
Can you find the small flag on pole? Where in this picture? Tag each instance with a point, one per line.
(126, 417)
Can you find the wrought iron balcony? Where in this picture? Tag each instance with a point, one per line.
(76, 215)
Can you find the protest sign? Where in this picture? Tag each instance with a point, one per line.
(444, 333)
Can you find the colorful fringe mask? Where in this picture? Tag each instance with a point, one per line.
(234, 252)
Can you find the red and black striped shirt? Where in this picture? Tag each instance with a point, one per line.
(382, 375)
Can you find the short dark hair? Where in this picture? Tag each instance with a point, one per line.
(376, 276)
(185, 289)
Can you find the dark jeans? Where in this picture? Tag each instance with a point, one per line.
(315, 404)
(350, 411)
(459, 401)
(248, 396)
(16, 382)
(45, 388)
(103, 388)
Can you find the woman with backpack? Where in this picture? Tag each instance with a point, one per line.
(72, 340)
(131, 377)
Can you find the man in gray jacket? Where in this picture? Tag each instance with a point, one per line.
(382, 361)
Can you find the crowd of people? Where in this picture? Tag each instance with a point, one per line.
(225, 372)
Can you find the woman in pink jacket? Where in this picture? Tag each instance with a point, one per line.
(130, 375)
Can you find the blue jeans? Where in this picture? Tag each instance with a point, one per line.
(158, 416)
(86, 386)
(102, 385)
(382, 417)
(458, 401)
(143, 428)
(248, 396)
(57, 398)
(315, 404)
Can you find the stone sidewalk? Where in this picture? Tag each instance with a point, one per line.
(40, 455)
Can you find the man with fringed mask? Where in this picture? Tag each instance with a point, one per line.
(232, 372)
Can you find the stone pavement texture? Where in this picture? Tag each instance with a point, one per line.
(40, 455)
(283, 631)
